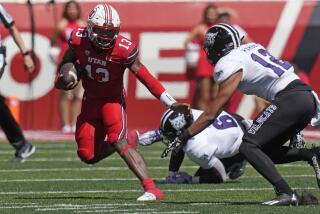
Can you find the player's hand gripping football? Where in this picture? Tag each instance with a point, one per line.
(174, 146)
(181, 108)
(68, 77)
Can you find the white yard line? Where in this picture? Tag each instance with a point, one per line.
(71, 206)
(118, 168)
(75, 159)
(136, 190)
(117, 179)
(82, 169)
(44, 152)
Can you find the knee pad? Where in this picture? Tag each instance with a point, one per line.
(112, 138)
(86, 156)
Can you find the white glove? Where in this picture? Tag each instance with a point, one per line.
(150, 137)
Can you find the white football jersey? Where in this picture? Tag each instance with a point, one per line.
(263, 75)
(219, 140)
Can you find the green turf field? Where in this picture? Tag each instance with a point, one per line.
(53, 180)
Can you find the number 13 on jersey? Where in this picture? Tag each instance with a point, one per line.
(101, 74)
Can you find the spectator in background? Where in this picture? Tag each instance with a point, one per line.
(69, 101)
(205, 87)
(7, 122)
(225, 17)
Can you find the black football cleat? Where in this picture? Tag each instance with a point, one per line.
(24, 152)
(237, 169)
(315, 162)
(284, 199)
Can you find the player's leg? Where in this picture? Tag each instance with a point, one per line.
(14, 133)
(91, 133)
(270, 127)
(203, 92)
(235, 166)
(115, 121)
(90, 140)
(285, 154)
(76, 104)
(64, 110)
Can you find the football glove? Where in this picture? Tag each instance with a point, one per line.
(175, 146)
(179, 178)
(150, 137)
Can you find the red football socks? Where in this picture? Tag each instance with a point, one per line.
(149, 186)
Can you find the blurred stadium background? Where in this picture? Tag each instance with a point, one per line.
(290, 29)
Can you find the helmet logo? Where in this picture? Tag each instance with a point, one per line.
(178, 123)
(210, 38)
(92, 13)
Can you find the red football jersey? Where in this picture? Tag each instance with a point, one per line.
(102, 73)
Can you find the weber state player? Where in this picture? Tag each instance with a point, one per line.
(293, 104)
(215, 149)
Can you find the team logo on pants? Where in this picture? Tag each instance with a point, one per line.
(262, 119)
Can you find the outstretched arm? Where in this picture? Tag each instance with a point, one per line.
(155, 87)
(175, 162)
(226, 89)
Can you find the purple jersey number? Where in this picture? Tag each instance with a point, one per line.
(267, 60)
(224, 122)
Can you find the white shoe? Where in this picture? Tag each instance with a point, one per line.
(147, 196)
(73, 129)
(66, 129)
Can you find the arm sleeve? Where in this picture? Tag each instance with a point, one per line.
(5, 17)
(153, 85)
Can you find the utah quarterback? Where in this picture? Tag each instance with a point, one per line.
(293, 104)
(103, 55)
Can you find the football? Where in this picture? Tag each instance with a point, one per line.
(68, 76)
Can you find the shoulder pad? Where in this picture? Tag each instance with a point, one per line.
(77, 35)
(125, 50)
(225, 67)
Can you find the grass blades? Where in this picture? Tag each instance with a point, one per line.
(54, 180)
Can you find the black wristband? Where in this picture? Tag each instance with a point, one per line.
(26, 53)
(185, 136)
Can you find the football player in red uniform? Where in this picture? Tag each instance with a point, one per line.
(103, 55)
